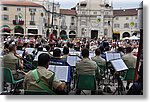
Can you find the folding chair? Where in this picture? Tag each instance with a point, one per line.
(86, 82)
(8, 78)
(100, 75)
(129, 75)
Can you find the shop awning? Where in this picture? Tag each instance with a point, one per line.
(116, 32)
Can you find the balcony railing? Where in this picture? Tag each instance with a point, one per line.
(32, 22)
(18, 22)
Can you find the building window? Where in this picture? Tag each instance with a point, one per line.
(32, 9)
(127, 18)
(55, 9)
(18, 9)
(126, 25)
(55, 21)
(105, 23)
(106, 13)
(95, 13)
(16, 17)
(5, 9)
(83, 22)
(5, 17)
(116, 25)
(83, 13)
(117, 18)
(63, 23)
(135, 17)
(72, 19)
(105, 31)
(135, 25)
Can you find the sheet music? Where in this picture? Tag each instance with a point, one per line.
(61, 72)
(91, 54)
(109, 56)
(20, 52)
(117, 55)
(112, 56)
(119, 65)
(52, 68)
(73, 52)
(39, 52)
(71, 60)
(30, 50)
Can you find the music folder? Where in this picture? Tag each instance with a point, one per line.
(30, 50)
(71, 60)
(20, 52)
(112, 56)
(62, 73)
(119, 65)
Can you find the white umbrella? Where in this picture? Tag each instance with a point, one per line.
(134, 38)
(126, 38)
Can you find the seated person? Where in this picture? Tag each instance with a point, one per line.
(13, 62)
(57, 58)
(130, 61)
(98, 58)
(65, 52)
(85, 66)
(48, 49)
(45, 76)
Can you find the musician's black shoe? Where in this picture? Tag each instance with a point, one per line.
(127, 87)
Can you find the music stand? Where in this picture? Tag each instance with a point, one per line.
(109, 57)
(119, 66)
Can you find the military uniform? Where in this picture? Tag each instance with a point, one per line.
(86, 66)
(44, 75)
(130, 60)
(12, 62)
(98, 59)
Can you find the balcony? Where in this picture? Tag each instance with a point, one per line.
(18, 22)
(32, 22)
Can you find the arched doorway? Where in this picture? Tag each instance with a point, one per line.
(116, 36)
(94, 34)
(63, 34)
(5, 29)
(72, 34)
(18, 29)
(125, 34)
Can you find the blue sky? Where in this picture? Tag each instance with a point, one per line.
(117, 3)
